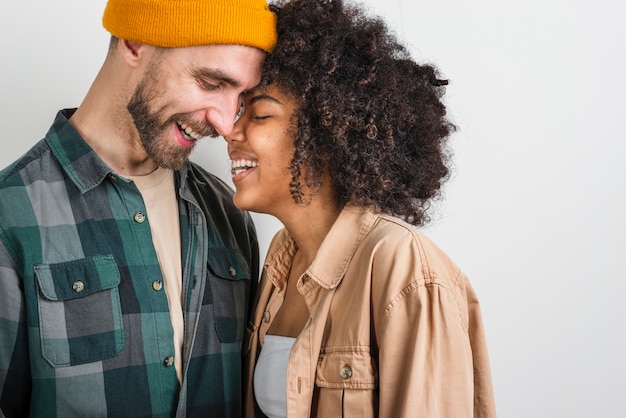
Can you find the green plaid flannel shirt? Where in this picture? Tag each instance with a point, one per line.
(84, 325)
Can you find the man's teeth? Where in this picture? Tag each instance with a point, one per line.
(239, 166)
(189, 133)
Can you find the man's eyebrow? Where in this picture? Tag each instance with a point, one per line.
(215, 74)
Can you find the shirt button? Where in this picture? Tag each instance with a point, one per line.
(157, 285)
(139, 217)
(345, 372)
(266, 317)
(232, 271)
(169, 360)
(78, 286)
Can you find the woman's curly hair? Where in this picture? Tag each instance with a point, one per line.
(369, 115)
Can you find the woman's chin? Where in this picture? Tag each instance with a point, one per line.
(242, 203)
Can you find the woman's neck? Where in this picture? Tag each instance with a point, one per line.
(309, 225)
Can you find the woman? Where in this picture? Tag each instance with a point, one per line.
(358, 313)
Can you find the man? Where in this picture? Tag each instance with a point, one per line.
(125, 270)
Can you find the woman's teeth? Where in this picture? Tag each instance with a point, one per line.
(189, 133)
(239, 166)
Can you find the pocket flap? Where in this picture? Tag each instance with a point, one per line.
(346, 368)
(228, 264)
(77, 278)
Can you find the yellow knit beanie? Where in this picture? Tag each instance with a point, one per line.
(177, 23)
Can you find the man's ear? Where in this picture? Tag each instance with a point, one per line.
(131, 51)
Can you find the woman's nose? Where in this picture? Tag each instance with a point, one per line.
(236, 134)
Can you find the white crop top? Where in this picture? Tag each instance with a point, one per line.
(270, 375)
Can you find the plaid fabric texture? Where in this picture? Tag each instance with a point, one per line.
(84, 322)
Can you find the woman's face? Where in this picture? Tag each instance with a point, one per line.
(261, 148)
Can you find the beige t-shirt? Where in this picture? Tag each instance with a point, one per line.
(159, 195)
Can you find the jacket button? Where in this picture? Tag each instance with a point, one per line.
(266, 317)
(232, 271)
(168, 361)
(78, 286)
(345, 372)
(157, 285)
(139, 217)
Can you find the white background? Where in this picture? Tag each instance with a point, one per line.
(535, 211)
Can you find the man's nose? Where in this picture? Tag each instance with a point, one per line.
(223, 117)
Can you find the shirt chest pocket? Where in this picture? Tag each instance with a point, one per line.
(80, 317)
(229, 284)
(346, 380)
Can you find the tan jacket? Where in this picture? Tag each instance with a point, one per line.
(395, 327)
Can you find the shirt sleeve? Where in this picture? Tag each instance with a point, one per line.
(15, 383)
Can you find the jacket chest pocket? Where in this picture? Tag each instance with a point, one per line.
(229, 284)
(80, 315)
(346, 383)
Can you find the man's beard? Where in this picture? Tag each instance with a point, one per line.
(152, 132)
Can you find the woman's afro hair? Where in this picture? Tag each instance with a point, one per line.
(369, 116)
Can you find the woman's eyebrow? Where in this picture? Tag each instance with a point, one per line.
(265, 97)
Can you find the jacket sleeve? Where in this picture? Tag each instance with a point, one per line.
(253, 243)
(425, 352)
(15, 382)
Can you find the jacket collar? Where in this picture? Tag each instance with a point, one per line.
(333, 257)
(278, 261)
(338, 248)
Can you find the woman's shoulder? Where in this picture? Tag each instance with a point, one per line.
(395, 242)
